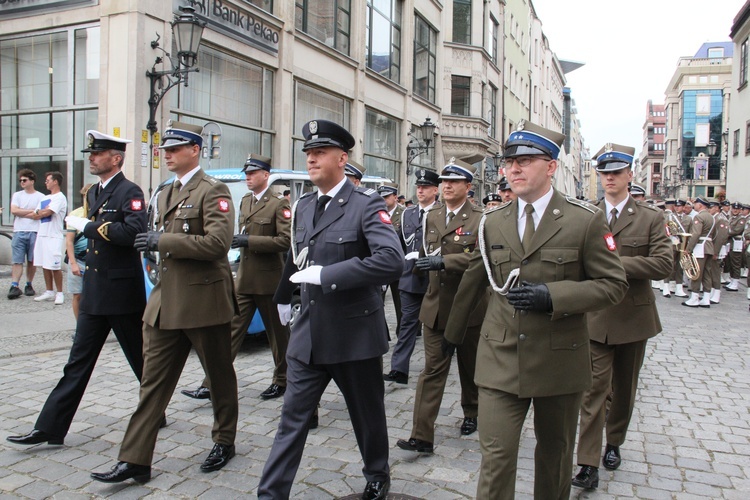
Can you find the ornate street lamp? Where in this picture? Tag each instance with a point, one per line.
(187, 30)
(421, 139)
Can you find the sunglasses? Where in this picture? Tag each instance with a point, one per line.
(23, 180)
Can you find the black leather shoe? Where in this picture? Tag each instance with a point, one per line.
(587, 477)
(200, 393)
(314, 422)
(469, 426)
(35, 437)
(218, 458)
(376, 490)
(123, 471)
(273, 391)
(611, 458)
(415, 445)
(163, 423)
(396, 376)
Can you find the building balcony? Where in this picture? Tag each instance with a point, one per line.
(467, 138)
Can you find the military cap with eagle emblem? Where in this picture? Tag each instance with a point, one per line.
(103, 142)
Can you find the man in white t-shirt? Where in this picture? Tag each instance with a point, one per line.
(22, 206)
(48, 251)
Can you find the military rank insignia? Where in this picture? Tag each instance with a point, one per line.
(610, 240)
(223, 205)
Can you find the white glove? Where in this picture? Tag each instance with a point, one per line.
(285, 313)
(77, 223)
(310, 275)
(411, 256)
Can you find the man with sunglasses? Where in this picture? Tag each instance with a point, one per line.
(25, 228)
(533, 344)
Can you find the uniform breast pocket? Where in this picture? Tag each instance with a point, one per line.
(260, 226)
(559, 264)
(343, 241)
(633, 246)
(187, 220)
(432, 240)
(501, 266)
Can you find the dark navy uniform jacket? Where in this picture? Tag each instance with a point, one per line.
(113, 279)
(343, 319)
(411, 239)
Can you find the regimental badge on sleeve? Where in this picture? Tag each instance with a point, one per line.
(286, 213)
(610, 240)
(223, 205)
(384, 217)
(136, 205)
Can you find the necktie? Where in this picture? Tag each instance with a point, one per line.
(320, 208)
(421, 215)
(98, 191)
(528, 231)
(613, 218)
(450, 218)
(176, 185)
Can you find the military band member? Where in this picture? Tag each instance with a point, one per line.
(533, 346)
(701, 245)
(674, 222)
(412, 286)
(264, 225)
(113, 296)
(388, 192)
(450, 235)
(343, 250)
(491, 201)
(191, 306)
(721, 239)
(682, 211)
(619, 333)
(736, 228)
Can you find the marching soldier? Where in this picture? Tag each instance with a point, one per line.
(701, 245)
(354, 172)
(505, 191)
(534, 344)
(264, 224)
(450, 235)
(388, 191)
(412, 286)
(619, 333)
(637, 192)
(191, 307)
(736, 228)
(686, 222)
(721, 239)
(491, 201)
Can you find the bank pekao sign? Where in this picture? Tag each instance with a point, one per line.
(235, 22)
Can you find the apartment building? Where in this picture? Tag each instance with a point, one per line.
(652, 150)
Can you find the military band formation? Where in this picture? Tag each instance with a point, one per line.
(544, 300)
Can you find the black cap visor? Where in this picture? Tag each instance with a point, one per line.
(522, 149)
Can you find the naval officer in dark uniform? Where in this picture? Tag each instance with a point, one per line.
(191, 306)
(344, 250)
(113, 293)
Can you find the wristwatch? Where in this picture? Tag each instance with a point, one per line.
(36, 211)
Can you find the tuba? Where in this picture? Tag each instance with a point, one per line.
(680, 239)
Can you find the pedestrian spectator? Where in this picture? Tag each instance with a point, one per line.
(48, 249)
(190, 307)
(113, 295)
(534, 342)
(619, 333)
(264, 223)
(25, 227)
(450, 235)
(75, 254)
(343, 251)
(412, 286)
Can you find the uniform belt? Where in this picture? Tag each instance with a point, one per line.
(705, 238)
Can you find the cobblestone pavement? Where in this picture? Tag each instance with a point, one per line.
(689, 438)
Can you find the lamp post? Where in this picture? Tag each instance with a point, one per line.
(187, 30)
(421, 139)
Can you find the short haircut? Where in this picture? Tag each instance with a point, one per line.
(57, 176)
(28, 173)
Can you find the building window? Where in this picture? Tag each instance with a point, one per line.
(234, 93)
(266, 5)
(743, 62)
(657, 168)
(460, 95)
(736, 143)
(462, 21)
(383, 43)
(747, 138)
(425, 57)
(715, 52)
(328, 21)
(493, 111)
(311, 103)
(382, 149)
(495, 42)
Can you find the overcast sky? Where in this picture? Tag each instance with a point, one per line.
(630, 50)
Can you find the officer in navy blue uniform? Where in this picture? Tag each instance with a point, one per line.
(412, 286)
(113, 295)
(343, 250)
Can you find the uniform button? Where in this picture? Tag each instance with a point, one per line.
(87, 268)
(166, 222)
(87, 250)
(312, 302)
(205, 280)
(367, 311)
(96, 270)
(96, 252)
(565, 315)
(166, 255)
(575, 345)
(164, 269)
(312, 242)
(333, 287)
(524, 312)
(312, 262)
(522, 336)
(524, 262)
(559, 259)
(341, 239)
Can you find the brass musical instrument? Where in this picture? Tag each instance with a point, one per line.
(680, 239)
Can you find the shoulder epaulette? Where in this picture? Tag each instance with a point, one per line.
(278, 196)
(365, 191)
(499, 207)
(642, 204)
(583, 204)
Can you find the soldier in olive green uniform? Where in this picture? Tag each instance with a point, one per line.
(736, 228)
(701, 245)
(191, 306)
(388, 192)
(533, 345)
(619, 333)
(450, 235)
